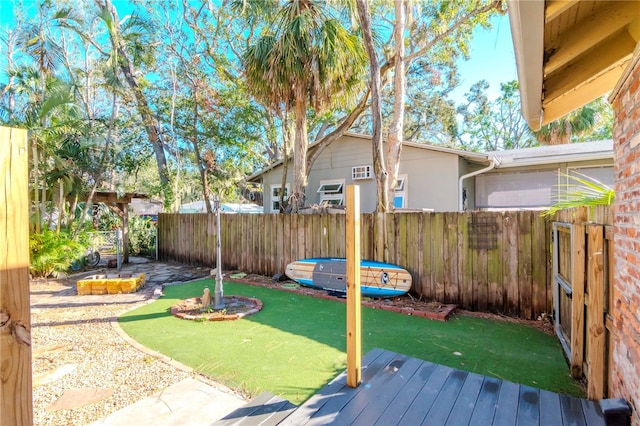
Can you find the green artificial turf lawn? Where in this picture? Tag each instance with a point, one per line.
(297, 343)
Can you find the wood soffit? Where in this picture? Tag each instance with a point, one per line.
(587, 46)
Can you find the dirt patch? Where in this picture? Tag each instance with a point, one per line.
(408, 304)
(235, 307)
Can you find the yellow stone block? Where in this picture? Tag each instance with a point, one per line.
(83, 287)
(114, 286)
(128, 285)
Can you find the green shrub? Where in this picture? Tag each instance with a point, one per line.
(52, 252)
(142, 236)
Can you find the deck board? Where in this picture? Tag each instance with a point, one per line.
(528, 406)
(400, 390)
(467, 400)
(423, 401)
(378, 404)
(407, 394)
(485, 407)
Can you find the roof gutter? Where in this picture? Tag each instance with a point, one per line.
(495, 162)
(527, 30)
(507, 162)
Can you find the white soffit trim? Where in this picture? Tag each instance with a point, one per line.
(527, 30)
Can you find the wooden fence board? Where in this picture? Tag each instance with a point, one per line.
(287, 251)
(495, 287)
(391, 252)
(539, 256)
(524, 262)
(510, 247)
(437, 234)
(403, 241)
(426, 265)
(414, 243)
(452, 282)
(465, 260)
(577, 300)
(595, 318)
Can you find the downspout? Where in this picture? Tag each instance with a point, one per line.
(495, 162)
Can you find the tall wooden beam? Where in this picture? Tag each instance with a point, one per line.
(354, 323)
(16, 403)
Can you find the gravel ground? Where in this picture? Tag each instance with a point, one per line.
(73, 334)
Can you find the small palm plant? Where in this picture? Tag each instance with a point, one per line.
(582, 190)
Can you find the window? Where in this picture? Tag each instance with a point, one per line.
(275, 196)
(400, 198)
(361, 172)
(516, 190)
(331, 192)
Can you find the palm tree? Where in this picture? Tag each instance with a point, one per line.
(575, 123)
(309, 60)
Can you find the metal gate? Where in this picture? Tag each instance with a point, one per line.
(108, 244)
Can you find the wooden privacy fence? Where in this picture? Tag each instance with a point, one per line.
(484, 261)
(583, 293)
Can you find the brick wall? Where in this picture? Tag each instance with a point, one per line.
(624, 379)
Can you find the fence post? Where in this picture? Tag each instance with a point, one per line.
(595, 313)
(577, 288)
(354, 332)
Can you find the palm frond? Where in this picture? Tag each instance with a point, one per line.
(588, 192)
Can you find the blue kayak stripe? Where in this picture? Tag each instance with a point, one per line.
(363, 262)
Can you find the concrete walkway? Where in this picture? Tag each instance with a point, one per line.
(190, 402)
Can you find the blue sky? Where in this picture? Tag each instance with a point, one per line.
(491, 55)
(491, 58)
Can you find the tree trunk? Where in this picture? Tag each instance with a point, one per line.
(379, 170)
(288, 131)
(298, 197)
(196, 150)
(151, 125)
(394, 140)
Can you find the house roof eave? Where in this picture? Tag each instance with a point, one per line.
(527, 30)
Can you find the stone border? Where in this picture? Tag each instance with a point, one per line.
(175, 311)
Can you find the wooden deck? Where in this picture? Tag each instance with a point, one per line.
(399, 390)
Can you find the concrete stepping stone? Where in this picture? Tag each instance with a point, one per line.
(53, 375)
(76, 398)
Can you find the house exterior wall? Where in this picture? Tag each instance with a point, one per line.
(521, 187)
(432, 176)
(624, 380)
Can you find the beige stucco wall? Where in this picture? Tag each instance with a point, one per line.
(432, 175)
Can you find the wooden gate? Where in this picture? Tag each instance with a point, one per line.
(582, 288)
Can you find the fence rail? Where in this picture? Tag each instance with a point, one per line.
(484, 261)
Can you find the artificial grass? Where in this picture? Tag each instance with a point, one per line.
(297, 343)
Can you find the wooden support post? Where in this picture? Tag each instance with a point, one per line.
(595, 313)
(124, 208)
(354, 326)
(16, 401)
(577, 288)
